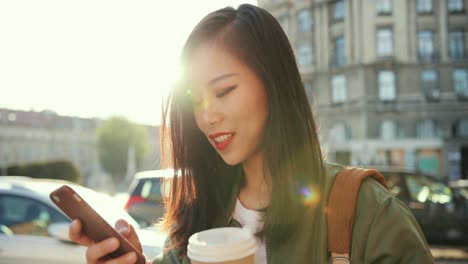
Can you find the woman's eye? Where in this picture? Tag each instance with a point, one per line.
(225, 91)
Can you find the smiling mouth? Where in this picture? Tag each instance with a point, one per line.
(222, 138)
(221, 142)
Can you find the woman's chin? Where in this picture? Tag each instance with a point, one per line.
(230, 161)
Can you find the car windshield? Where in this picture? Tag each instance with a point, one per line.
(463, 191)
(153, 184)
(423, 188)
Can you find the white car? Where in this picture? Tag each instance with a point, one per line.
(34, 230)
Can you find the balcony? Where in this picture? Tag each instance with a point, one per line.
(429, 57)
(458, 55)
(432, 93)
(336, 61)
(385, 59)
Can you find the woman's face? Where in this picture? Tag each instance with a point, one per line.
(229, 103)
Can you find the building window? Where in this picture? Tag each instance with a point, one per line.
(460, 82)
(384, 42)
(457, 45)
(339, 10)
(387, 91)
(340, 54)
(427, 129)
(304, 20)
(424, 6)
(455, 6)
(462, 128)
(383, 7)
(338, 89)
(388, 130)
(339, 133)
(426, 45)
(429, 84)
(305, 55)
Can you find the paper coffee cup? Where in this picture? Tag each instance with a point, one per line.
(224, 245)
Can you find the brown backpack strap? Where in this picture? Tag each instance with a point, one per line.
(340, 209)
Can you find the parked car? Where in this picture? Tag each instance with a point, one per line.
(433, 204)
(460, 187)
(34, 230)
(145, 201)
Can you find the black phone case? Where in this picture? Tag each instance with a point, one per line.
(94, 226)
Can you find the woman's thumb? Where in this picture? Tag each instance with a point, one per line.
(129, 233)
(122, 227)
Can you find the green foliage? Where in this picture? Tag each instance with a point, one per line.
(14, 170)
(56, 169)
(114, 137)
(63, 169)
(35, 170)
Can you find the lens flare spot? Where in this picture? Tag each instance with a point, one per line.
(206, 103)
(310, 195)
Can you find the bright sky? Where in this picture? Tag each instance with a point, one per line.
(94, 58)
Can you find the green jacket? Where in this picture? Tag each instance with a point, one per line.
(384, 231)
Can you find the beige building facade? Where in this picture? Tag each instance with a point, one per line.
(30, 136)
(388, 79)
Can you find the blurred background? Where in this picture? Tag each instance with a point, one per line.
(82, 85)
(387, 78)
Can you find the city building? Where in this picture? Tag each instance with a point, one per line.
(388, 79)
(30, 136)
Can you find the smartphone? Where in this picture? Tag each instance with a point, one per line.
(93, 225)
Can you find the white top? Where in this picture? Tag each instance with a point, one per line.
(252, 220)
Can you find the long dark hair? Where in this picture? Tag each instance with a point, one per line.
(292, 155)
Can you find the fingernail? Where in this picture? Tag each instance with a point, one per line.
(123, 230)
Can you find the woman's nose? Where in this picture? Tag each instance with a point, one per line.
(210, 112)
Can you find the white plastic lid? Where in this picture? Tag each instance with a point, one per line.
(221, 244)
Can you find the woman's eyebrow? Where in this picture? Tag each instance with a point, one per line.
(219, 78)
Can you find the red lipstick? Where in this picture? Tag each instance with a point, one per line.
(222, 145)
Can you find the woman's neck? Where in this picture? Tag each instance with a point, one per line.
(255, 194)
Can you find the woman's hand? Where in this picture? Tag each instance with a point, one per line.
(97, 252)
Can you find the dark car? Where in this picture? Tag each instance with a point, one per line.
(433, 203)
(145, 201)
(460, 187)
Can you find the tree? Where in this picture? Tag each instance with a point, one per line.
(14, 170)
(114, 138)
(62, 170)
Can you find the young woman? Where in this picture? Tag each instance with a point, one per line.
(244, 142)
